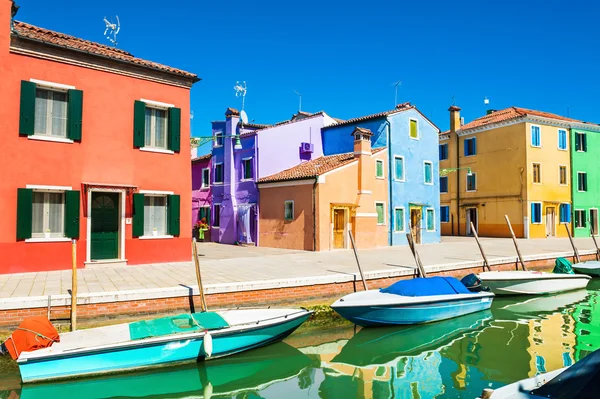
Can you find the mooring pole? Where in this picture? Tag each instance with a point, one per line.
(73, 286)
(362, 276)
(413, 249)
(595, 243)
(486, 264)
(512, 233)
(199, 276)
(575, 252)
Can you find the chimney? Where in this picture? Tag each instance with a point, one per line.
(362, 152)
(454, 118)
(490, 111)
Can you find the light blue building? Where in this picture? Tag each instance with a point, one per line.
(413, 168)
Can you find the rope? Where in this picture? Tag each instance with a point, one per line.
(37, 334)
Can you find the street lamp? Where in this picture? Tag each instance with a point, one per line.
(447, 171)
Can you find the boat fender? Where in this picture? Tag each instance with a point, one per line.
(208, 345)
(208, 391)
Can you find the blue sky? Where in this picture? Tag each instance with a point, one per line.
(345, 56)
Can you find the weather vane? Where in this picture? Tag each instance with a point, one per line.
(111, 30)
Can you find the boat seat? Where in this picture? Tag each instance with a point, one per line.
(182, 323)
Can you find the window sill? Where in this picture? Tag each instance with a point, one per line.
(157, 150)
(244, 180)
(50, 138)
(51, 239)
(414, 138)
(215, 227)
(400, 180)
(155, 237)
(428, 184)
(563, 149)
(472, 155)
(380, 177)
(536, 146)
(220, 183)
(470, 191)
(204, 188)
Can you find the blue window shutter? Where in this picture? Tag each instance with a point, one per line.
(466, 149)
(568, 206)
(474, 145)
(532, 213)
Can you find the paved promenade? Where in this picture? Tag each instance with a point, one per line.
(227, 268)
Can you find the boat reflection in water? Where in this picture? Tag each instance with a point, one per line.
(241, 375)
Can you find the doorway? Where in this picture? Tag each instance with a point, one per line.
(339, 228)
(550, 221)
(471, 217)
(104, 226)
(416, 215)
(594, 221)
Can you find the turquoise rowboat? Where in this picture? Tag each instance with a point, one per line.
(158, 342)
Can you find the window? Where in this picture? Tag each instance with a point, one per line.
(536, 136)
(247, 169)
(204, 214)
(218, 173)
(565, 213)
(580, 142)
(444, 214)
(582, 181)
(429, 214)
(379, 169)
(156, 128)
(398, 220)
(379, 208)
(562, 175)
(48, 215)
(216, 215)
(399, 168)
(50, 113)
(472, 182)
(443, 152)
(537, 173)
(428, 171)
(155, 215)
(470, 147)
(536, 212)
(288, 213)
(562, 139)
(580, 218)
(205, 178)
(218, 139)
(443, 184)
(414, 129)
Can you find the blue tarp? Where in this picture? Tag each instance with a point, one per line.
(427, 286)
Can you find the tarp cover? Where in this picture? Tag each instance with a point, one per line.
(427, 286)
(32, 334)
(182, 323)
(580, 381)
(562, 266)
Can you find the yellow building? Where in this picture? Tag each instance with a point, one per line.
(511, 162)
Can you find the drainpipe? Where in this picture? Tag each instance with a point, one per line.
(390, 158)
(314, 206)
(457, 185)
(525, 226)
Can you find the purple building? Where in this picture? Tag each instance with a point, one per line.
(201, 191)
(260, 150)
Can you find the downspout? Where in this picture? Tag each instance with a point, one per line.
(390, 197)
(256, 175)
(457, 185)
(525, 226)
(314, 206)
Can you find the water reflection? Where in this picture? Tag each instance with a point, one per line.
(518, 338)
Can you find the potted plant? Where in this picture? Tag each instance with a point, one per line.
(201, 226)
(47, 233)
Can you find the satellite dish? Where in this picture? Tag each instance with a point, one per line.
(244, 117)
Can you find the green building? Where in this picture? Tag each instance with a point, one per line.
(585, 179)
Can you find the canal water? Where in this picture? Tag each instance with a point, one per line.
(518, 338)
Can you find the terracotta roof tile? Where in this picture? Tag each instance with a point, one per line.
(511, 113)
(399, 108)
(314, 168)
(202, 158)
(71, 42)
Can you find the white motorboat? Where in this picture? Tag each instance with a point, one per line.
(591, 268)
(531, 282)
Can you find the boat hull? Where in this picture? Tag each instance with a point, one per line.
(591, 268)
(415, 313)
(155, 354)
(531, 283)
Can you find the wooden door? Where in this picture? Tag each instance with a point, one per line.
(471, 217)
(339, 228)
(415, 224)
(550, 222)
(105, 226)
(594, 221)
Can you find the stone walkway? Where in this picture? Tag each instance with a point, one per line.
(229, 267)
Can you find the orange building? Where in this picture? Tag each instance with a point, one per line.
(94, 148)
(314, 205)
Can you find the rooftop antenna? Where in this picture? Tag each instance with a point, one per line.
(299, 105)
(111, 30)
(396, 84)
(240, 91)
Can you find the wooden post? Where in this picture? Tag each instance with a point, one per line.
(362, 276)
(49, 305)
(486, 264)
(512, 233)
(595, 243)
(575, 252)
(73, 285)
(198, 276)
(413, 249)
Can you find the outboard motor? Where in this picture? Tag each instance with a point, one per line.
(473, 283)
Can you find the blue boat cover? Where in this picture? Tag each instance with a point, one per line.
(427, 286)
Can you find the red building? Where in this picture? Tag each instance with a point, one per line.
(95, 147)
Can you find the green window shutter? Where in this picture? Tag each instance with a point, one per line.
(74, 114)
(27, 112)
(24, 213)
(173, 212)
(174, 129)
(72, 214)
(139, 124)
(138, 215)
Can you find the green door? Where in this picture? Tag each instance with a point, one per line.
(105, 226)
